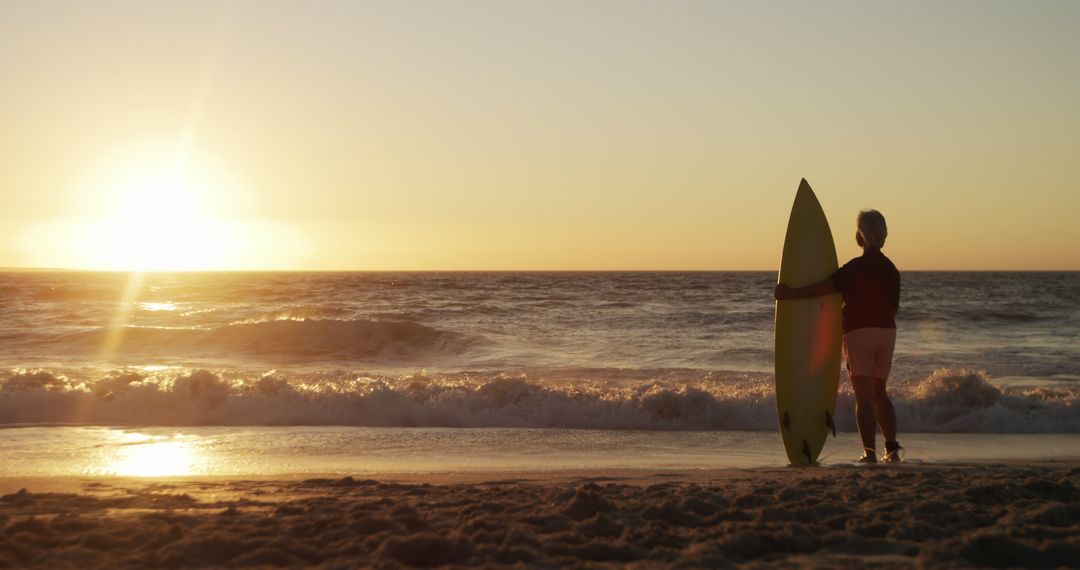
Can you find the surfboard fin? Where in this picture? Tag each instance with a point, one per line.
(806, 452)
(829, 422)
(787, 422)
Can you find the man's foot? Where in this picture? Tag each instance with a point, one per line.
(892, 452)
(868, 456)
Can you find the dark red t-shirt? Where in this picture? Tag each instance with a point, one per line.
(870, 285)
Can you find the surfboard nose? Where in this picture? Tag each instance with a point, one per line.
(805, 191)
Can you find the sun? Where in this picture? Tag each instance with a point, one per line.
(159, 213)
(141, 208)
(162, 222)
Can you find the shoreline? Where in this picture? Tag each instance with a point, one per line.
(555, 476)
(1017, 513)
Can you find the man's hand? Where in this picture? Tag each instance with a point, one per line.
(786, 293)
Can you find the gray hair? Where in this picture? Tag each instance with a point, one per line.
(872, 230)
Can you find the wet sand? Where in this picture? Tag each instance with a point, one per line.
(876, 516)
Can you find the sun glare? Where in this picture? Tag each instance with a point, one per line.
(152, 212)
(163, 222)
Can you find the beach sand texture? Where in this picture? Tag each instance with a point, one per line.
(878, 516)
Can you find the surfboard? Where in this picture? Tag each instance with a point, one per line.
(807, 341)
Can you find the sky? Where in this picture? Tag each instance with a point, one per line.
(509, 135)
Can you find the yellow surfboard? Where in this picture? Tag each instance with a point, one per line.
(807, 334)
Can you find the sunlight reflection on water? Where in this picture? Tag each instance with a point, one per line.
(142, 455)
(224, 451)
(146, 306)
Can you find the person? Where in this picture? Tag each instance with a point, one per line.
(870, 288)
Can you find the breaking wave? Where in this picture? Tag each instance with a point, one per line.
(286, 339)
(668, 399)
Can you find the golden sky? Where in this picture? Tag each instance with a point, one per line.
(534, 135)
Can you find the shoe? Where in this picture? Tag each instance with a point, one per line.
(868, 456)
(892, 452)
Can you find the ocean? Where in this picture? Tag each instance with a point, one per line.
(427, 371)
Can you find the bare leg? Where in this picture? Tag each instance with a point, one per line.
(864, 410)
(886, 414)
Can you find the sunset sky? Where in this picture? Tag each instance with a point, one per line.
(534, 135)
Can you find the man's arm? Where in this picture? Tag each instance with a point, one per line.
(785, 293)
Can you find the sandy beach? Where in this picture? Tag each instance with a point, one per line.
(880, 516)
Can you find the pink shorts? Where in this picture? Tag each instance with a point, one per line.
(869, 352)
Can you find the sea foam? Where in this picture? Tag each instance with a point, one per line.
(946, 401)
